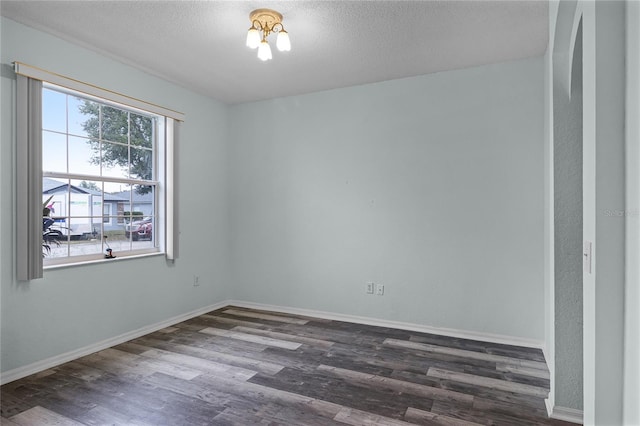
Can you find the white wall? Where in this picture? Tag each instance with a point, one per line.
(75, 307)
(549, 208)
(632, 153)
(431, 186)
(603, 184)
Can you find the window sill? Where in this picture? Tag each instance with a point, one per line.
(101, 260)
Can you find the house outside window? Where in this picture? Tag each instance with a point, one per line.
(106, 213)
(120, 213)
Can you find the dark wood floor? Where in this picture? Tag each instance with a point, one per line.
(247, 367)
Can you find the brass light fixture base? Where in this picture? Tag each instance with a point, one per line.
(263, 23)
(266, 16)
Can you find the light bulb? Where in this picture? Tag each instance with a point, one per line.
(253, 38)
(264, 51)
(282, 42)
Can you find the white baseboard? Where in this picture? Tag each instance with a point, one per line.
(553, 411)
(45, 364)
(550, 402)
(451, 332)
(36, 367)
(567, 414)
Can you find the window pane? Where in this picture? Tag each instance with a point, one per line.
(58, 247)
(116, 237)
(85, 236)
(86, 207)
(141, 130)
(54, 223)
(141, 163)
(83, 157)
(83, 117)
(140, 229)
(80, 205)
(115, 160)
(117, 242)
(146, 237)
(54, 111)
(139, 217)
(54, 200)
(54, 152)
(120, 212)
(106, 212)
(113, 228)
(144, 200)
(115, 125)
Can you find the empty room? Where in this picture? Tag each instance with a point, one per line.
(320, 212)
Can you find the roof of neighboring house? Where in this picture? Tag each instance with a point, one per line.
(137, 198)
(52, 186)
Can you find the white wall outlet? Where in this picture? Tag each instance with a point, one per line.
(371, 288)
(196, 280)
(380, 290)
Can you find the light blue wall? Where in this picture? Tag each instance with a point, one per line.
(72, 308)
(431, 186)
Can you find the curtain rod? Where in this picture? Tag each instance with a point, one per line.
(91, 89)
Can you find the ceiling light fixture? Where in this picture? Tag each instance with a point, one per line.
(267, 21)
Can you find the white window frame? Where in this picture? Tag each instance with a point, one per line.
(29, 168)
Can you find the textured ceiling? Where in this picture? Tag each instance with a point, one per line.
(200, 44)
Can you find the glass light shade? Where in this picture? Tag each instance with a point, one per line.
(282, 42)
(264, 51)
(253, 38)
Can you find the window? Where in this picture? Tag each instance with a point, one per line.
(98, 165)
(106, 213)
(94, 154)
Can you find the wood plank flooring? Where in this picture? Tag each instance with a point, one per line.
(238, 366)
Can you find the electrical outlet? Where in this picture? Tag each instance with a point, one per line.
(371, 288)
(196, 280)
(380, 290)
